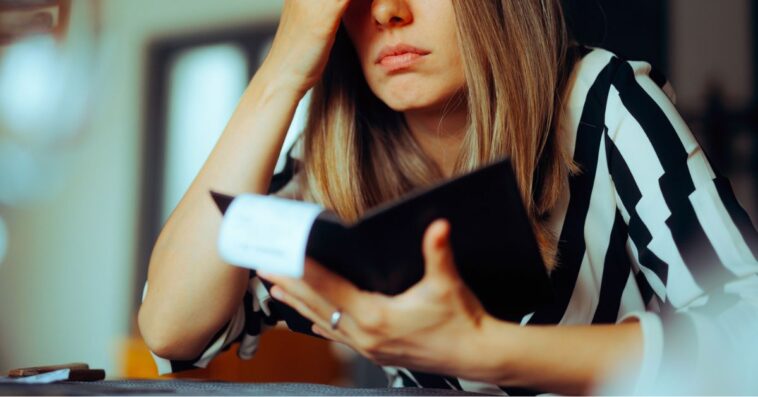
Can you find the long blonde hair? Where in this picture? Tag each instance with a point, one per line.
(359, 153)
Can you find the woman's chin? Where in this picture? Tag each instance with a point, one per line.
(413, 96)
(405, 103)
(416, 91)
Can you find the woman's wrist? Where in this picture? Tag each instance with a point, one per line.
(273, 82)
(566, 360)
(277, 78)
(492, 350)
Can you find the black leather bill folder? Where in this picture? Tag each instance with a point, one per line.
(493, 242)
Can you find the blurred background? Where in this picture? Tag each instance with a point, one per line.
(108, 108)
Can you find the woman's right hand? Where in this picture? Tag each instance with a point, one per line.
(304, 38)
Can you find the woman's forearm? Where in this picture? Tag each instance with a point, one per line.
(557, 359)
(191, 292)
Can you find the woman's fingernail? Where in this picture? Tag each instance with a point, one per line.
(277, 293)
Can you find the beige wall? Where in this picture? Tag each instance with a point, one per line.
(65, 288)
(711, 43)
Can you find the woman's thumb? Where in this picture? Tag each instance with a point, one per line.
(438, 253)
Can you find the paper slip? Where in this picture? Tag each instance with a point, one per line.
(267, 233)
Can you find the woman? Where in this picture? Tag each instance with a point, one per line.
(630, 218)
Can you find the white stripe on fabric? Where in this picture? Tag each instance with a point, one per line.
(581, 307)
(163, 365)
(393, 379)
(248, 346)
(261, 294)
(631, 299)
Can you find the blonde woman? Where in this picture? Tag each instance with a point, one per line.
(641, 236)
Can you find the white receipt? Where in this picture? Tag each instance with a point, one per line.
(267, 233)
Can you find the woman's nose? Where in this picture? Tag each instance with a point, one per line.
(391, 13)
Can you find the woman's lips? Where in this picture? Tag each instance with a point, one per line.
(402, 56)
(395, 62)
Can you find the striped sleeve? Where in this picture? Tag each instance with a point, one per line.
(694, 245)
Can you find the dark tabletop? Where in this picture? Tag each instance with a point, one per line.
(189, 387)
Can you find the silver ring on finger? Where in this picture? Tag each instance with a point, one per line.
(335, 319)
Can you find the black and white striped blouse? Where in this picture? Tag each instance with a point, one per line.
(648, 230)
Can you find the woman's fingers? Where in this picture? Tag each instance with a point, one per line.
(306, 302)
(304, 38)
(300, 296)
(331, 286)
(320, 293)
(297, 303)
(317, 295)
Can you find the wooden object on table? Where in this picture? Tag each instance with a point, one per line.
(29, 371)
(76, 372)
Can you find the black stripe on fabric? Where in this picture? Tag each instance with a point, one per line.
(740, 218)
(252, 318)
(583, 50)
(431, 380)
(519, 391)
(571, 245)
(658, 78)
(182, 365)
(407, 381)
(676, 183)
(270, 320)
(615, 274)
(630, 196)
(455, 382)
(646, 291)
(280, 179)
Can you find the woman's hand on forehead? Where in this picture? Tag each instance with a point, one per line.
(303, 40)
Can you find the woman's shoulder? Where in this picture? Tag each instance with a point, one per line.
(599, 74)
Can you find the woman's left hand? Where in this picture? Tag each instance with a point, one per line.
(420, 329)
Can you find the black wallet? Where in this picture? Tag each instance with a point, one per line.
(493, 243)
